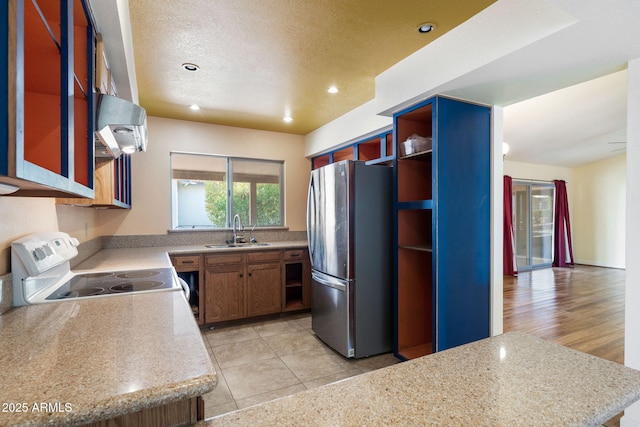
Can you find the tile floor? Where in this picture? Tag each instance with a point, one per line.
(265, 360)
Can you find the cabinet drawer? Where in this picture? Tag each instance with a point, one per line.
(294, 254)
(186, 261)
(224, 259)
(263, 256)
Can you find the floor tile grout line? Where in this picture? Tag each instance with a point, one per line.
(264, 332)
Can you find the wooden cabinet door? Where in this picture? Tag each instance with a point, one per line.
(264, 289)
(225, 293)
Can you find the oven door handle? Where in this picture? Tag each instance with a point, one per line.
(185, 288)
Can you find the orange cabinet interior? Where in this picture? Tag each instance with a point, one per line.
(344, 154)
(42, 90)
(414, 229)
(414, 179)
(415, 293)
(369, 150)
(318, 162)
(417, 122)
(42, 115)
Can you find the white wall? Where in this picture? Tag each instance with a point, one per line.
(151, 176)
(632, 281)
(355, 125)
(598, 219)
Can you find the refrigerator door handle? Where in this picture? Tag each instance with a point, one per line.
(311, 217)
(323, 280)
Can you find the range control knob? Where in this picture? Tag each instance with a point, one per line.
(39, 254)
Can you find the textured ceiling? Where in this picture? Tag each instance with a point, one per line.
(262, 60)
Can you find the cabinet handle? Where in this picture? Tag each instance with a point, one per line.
(187, 262)
(240, 274)
(295, 255)
(250, 274)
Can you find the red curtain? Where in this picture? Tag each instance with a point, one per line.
(508, 246)
(562, 248)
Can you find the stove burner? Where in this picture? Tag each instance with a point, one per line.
(85, 292)
(136, 274)
(142, 285)
(115, 282)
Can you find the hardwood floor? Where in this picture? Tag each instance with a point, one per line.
(581, 308)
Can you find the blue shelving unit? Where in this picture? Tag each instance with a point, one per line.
(442, 239)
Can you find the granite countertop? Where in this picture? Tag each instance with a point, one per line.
(509, 380)
(98, 358)
(151, 257)
(288, 244)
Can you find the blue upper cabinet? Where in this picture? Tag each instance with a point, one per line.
(46, 140)
(442, 176)
(374, 150)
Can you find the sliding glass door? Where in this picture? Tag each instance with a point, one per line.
(533, 224)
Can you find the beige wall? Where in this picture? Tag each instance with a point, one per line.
(151, 212)
(26, 215)
(151, 185)
(596, 193)
(599, 194)
(518, 170)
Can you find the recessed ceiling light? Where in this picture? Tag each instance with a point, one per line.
(190, 66)
(427, 27)
(332, 89)
(287, 119)
(194, 107)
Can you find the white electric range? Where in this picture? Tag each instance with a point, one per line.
(40, 266)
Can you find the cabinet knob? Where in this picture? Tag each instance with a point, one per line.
(240, 274)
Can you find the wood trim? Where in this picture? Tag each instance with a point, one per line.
(225, 258)
(180, 413)
(191, 261)
(265, 256)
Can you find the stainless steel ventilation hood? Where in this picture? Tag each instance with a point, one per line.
(121, 127)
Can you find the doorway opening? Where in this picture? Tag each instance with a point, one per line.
(533, 224)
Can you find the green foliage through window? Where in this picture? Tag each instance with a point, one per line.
(201, 196)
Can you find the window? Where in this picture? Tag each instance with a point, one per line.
(207, 191)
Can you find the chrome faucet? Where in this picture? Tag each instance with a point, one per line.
(238, 221)
(251, 238)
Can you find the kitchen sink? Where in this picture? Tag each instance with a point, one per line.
(237, 245)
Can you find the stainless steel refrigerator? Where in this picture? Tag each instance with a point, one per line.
(349, 232)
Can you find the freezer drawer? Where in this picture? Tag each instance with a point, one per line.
(332, 312)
